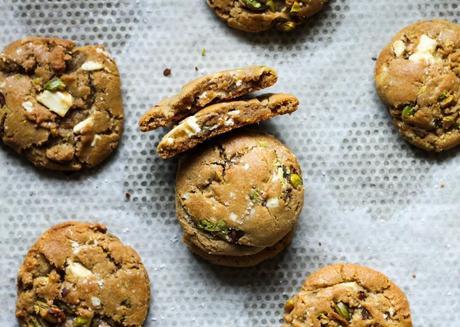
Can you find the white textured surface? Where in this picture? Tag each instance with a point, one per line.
(370, 197)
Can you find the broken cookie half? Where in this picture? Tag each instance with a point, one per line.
(221, 118)
(60, 105)
(199, 93)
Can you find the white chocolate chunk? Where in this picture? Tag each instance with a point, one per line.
(78, 270)
(273, 203)
(399, 47)
(233, 216)
(58, 102)
(92, 65)
(103, 52)
(95, 301)
(81, 126)
(425, 51)
(234, 113)
(229, 122)
(191, 126)
(169, 141)
(28, 106)
(75, 247)
(96, 139)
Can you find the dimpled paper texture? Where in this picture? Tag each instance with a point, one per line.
(370, 198)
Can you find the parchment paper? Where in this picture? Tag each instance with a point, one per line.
(371, 198)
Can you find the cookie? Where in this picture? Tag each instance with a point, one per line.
(60, 105)
(238, 197)
(418, 77)
(77, 274)
(206, 90)
(348, 295)
(261, 15)
(221, 118)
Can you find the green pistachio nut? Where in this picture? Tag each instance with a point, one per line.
(296, 8)
(253, 5)
(408, 111)
(286, 26)
(213, 227)
(81, 322)
(296, 180)
(271, 4)
(342, 309)
(54, 85)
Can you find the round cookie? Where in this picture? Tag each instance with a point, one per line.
(262, 15)
(77, 274)
(238, 198)
(418, 76)
(348, 295)
(60, 105)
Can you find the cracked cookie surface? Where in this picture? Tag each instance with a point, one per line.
(238, 196)
(348, 295)
(78, 275)
(418, 76)
(261, 15)
(206, 90)
(60, 105)
(221, 118)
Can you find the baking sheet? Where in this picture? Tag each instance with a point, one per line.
(370, 199)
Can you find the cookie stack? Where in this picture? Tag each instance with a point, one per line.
(238, 197)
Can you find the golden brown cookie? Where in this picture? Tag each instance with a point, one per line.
(418, 76)
(348, 295)
(221, 118)
(206, 90)
(60, 105)
(239, 196)
(261, 15)
(77, 274)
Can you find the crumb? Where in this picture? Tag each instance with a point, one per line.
(319, 243)
(414, 276)
(442, 185)
(167, 72)
(203, 52)
(127, 196)
(374, 58)
(196, 68)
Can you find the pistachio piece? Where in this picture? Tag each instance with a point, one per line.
(51, 313)
(443, 96)
(296, 180)
(253, 5)
(54, 85)
(37, 81)
(255, 196)
(209, 226)
(35, 323)
(58, 102)
(286, 26)
(449, 100)
(271, 4)
(408, 111)
(342, 309)
(81, 322)
(289, 305)
(296, 8)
